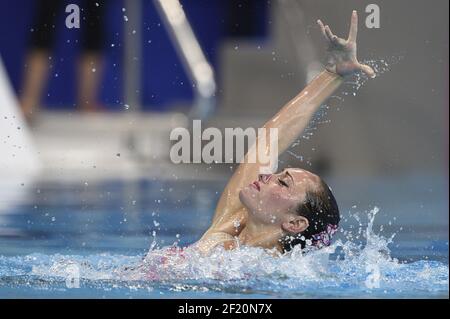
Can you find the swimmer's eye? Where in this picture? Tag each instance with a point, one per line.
(283, 183)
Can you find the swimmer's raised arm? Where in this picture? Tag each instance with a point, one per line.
(290, 121)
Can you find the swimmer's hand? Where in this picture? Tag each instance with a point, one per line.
(342, 53)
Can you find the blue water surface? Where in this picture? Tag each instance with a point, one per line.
(393, 242)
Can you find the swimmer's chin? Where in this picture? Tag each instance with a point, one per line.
(245, 194)
(248, 197)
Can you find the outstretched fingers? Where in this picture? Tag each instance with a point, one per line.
(353, 27)
(326, 31)
(328, 35)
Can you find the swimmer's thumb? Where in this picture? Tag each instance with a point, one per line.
(367, 70)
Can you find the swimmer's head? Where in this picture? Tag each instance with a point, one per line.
(299, 202)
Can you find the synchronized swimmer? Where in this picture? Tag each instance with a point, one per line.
(294, 207)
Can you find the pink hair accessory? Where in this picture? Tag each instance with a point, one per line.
(324, 238)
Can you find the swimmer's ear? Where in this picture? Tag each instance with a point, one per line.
(295, 225)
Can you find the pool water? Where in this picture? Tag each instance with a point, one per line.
(393, 243)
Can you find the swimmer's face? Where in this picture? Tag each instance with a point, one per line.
(273, 198)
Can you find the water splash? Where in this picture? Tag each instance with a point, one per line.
(351, 87)
(346, 268)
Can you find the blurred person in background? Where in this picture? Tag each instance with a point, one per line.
(38, 62)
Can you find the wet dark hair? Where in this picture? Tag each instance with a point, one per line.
(321, 209)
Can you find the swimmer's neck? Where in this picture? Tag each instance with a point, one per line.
(261, 235)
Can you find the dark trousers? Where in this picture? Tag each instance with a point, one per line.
(91, 23)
